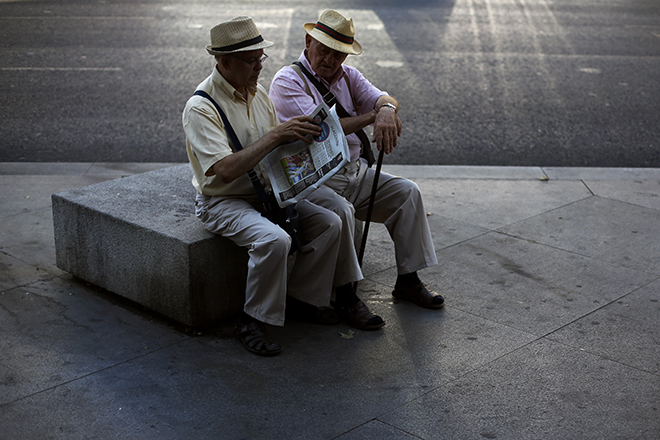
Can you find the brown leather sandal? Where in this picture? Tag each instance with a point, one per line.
(359, 316)
(256, 340)
(420, 295)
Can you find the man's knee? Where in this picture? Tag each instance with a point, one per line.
(407, 191)
(409, 186)
(330, 225)
(335, 224)
(346, 212)
(327, 198)
(275, 243)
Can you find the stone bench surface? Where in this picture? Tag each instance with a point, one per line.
(139, 238)
(158, 200)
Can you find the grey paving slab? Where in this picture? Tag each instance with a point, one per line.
(44, 168)
(431, 345)
(596, 173)
(549, 330)
(638, 192)
(525, 285)
(379, 252)
(465, 172)
(190, 391)
(606, 229)
(322, 385)
(58, 330)
(14, 272)
(113, 169)
(627, 331)
(376, 430)
(543, 391)
(29, 237)
(26, 193)
(493, 204)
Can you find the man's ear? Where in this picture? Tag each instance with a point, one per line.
(308, 41)
(222, 61)
(226, 61)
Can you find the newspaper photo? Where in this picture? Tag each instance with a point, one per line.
(296, 169)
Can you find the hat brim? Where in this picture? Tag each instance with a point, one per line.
(262, 45)
(327, 40)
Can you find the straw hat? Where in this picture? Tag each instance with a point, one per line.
(239, 34)
(335, 31)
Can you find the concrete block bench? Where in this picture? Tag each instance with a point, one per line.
(138, 237)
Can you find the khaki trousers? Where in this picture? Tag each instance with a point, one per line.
(268, 245)
(398, 205)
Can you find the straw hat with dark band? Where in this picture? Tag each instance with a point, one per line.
(239, 34)
(335, 31)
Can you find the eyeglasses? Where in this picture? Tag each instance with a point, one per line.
(324, 50)
(254, 63)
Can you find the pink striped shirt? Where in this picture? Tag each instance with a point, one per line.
(288, 93)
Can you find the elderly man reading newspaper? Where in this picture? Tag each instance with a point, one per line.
(296, 90)
(227, 202)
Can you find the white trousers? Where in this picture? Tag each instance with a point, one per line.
(311, 276)
(398, 205)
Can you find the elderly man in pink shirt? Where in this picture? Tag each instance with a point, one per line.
(398, 203)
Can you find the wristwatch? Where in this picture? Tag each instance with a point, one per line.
(390, 105)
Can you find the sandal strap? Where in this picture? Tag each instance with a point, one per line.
(359, 316)
(256, 340)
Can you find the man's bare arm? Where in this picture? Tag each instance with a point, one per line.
(235, 165)
(355, 123)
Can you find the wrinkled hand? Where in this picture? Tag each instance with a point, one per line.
(298, 128)
(387, 129)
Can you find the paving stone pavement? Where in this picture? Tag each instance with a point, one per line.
(550, 330)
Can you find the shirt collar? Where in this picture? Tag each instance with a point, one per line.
(228, 89)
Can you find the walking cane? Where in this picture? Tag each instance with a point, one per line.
(365, 232)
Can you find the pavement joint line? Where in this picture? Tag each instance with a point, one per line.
(187, 338)
(586, 185)
(615, 300)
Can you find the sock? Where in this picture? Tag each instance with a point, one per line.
(345, 296)
(408, 279)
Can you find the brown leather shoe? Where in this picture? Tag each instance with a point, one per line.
(359, 316)
(420, 295)
(256, 340)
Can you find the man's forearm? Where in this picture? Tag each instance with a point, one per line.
(355, 123)
(384, 100)
(239, 163)
(300, 128)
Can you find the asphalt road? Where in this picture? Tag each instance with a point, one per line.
(480, 82)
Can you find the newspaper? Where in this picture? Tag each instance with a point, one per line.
(296, 169)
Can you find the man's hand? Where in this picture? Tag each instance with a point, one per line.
(298, 128)
(231, 167)
(387, 129)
